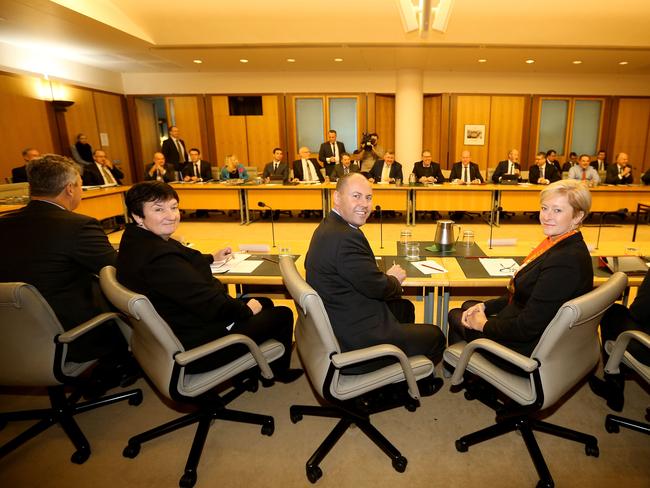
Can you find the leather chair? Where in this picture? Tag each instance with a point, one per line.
(163, 359)
(568, 351)
(351, 398)
(618, 354)
(35, 348)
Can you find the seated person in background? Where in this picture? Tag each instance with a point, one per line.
(306, 169)
(426, 171)
(330, 152)
(346, 166)
(197, 169)
(364, 304)
(276, 168)
(158, 170)
(465, 172)
(584, 172)
(599, 164)
(82, 152)
(557, 270)
(180, 285)
(509, 166)
(60, 252)
(542, 173)
(573, 161)
(19, 174)
(619, 173)
(645, 177)
(233, 169)
(551, 158)
(386, 170)
(102, 171)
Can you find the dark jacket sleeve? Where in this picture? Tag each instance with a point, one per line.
(640, 308)
(92, 249)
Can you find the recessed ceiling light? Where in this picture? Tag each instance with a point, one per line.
(623, 63)
(338, 60)
(577, 61)
(291, 60)
(530, 61)
(197, 61)
(243, 61)
(482, 60)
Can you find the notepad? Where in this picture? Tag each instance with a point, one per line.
(499, 266)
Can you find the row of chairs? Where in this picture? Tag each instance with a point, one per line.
(566, 353)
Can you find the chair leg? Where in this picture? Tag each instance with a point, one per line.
(313, 471)
(190, 474)
(297, 411)
(165, 428)
(133, 396)
(572, 435)
(26, 435)
(399, 461)
(545, 478)
(485, 434)
(614, 422)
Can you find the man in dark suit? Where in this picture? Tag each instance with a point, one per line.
(19, 174)
(345, 167)
(508, 167)
(306, 168)
(363, 303)
(276, 168)
(173, 148)
(465, 172)
(619, 173)
(572, 161)
(599, 164)
(102, 172)
(60, 252)
(386, 170)
(551, 158)
(542, 173)
(426, 171)
(159, 169)
(330, 152)
(197, 169)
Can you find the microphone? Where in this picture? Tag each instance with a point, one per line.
(381, 227)
(264, 205)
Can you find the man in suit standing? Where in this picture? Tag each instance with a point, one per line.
(465, 172)
(330, 152)
(173, 148)
(19, 174)
(102, 172)
(386, 170)
(306, 168)
(542, 173)
(599, 164)
(159, 169)
(619, 173)
(363, 303)
(508, 167)
(197, 169)
(60, 253)
(276, 168)
(345, 167)
(426, 171)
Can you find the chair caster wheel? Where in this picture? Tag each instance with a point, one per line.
(267, 383)
(461, 446)
(268, 428)
(136, 399)
(468, 396)
(188, 480)
(399, 464)
(592, 450)
(411, 407)
(545, 484)
(314, 473)
(251, 385)
(80, 456)
(295, 417)
(611, 426)
(131, 451)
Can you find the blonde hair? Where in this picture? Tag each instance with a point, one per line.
(231, 163)
(577, 194)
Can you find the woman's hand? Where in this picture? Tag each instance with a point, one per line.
(474, 317)
(222, 255)
(254, 305)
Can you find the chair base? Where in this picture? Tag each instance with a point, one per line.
(211, 407)
(62, 411)
(526, 426)
(613, 423)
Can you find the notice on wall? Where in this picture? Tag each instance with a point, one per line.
(103, 137)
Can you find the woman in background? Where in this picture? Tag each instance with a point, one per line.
(233, 169)
(82, 152)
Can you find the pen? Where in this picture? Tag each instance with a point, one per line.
(433, 267)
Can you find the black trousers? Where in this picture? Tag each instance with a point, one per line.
(616, 320)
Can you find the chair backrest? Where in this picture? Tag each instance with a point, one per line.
(315, 338)
(152, 342)
(28, 326)
(569, 347)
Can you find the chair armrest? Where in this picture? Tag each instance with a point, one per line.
(617, 349)
(186, 357)
(523, 362)
(70, 335)
(373, 352)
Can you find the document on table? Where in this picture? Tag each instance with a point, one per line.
(239, 263)
(429, 267)
(499, 266)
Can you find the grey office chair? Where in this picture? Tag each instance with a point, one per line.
(163, 359)
(568, 350)
(35, 348)
(348, 397)
(618, 354)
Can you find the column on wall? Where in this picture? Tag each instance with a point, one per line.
(409, 102)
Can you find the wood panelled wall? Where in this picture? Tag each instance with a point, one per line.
(432, 130)
(385, 121)
(632, 133)
(188, 118)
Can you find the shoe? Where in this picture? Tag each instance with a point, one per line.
(288, 375)
(611, 389)
(429, 386)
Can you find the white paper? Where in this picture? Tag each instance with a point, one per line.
(245, 266)
(225, 266)
(427, 267)
(254, 247)
(103, 137)
(499, 266)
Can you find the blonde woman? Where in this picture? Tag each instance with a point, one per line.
(233, 169)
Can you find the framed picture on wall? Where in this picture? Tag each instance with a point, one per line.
(474, 135)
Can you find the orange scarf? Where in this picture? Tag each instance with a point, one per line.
(542, 247)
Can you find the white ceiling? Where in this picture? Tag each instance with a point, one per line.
(132, 36)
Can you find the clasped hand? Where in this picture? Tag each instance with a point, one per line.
(474, 317)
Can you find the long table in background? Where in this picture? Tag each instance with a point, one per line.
(211, 196)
